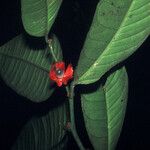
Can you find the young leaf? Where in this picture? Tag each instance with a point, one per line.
(118, 29)
(39, 15)
(26, 70)
(104, 111)
(43, 133)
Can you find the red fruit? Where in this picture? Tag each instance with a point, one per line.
(60, 74)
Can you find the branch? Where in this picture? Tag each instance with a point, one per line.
(72, 118)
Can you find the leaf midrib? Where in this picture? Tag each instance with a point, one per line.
(47, 17)
(106, 104)
(106, 114)
(115, 35)
(25, 61)
(47, 20)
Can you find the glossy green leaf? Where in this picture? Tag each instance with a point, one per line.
(44, 133)
(26, 70)
(39, 15)
(104, 111)
(118, 29)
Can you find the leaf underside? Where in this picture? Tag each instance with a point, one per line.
(44, 133)
(118, 29)
(104, 111)
(39, 15)
(26, 69)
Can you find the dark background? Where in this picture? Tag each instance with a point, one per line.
(71, 26)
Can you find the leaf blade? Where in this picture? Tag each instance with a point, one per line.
(104, 111)
(118, 29)
(38, 16)
(41, 134)
(26, 69)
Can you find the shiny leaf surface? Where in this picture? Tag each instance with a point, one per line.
(118, 29)
(39, 15)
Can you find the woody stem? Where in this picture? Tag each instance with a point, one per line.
(70, 94)
(72, 118)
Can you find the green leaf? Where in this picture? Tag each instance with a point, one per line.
(26, 70)
(43, 133)
(118, 29)
(104, 111)
(39, 15)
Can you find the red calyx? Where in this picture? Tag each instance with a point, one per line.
(60, 74)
